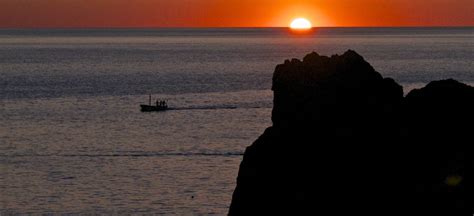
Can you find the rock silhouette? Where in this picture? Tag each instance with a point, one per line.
(345, 140)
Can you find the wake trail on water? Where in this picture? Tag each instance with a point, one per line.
(215, 108)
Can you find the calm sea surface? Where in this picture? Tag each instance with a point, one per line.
(72, 138)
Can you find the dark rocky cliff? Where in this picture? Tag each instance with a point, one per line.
(344, 140)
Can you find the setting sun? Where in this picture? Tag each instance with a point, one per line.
(301, 24)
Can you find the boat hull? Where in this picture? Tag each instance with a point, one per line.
(148, 108)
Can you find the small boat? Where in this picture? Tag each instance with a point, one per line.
(160, 106)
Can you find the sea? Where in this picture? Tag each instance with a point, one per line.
(73, 139)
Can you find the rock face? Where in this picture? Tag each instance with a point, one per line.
(344, 140)
(438, 137)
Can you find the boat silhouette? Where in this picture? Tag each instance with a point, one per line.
(160, 105)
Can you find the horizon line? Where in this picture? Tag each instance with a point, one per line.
(221, 27)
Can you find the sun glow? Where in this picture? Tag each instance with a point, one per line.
(301, 24)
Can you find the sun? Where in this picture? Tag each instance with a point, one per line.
(301, 24)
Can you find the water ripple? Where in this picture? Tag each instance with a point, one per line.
(151, 154)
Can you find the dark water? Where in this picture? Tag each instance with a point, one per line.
(72, 139)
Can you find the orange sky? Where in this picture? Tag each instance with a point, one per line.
(233, 13)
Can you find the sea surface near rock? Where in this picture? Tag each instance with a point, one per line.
(345, 140)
